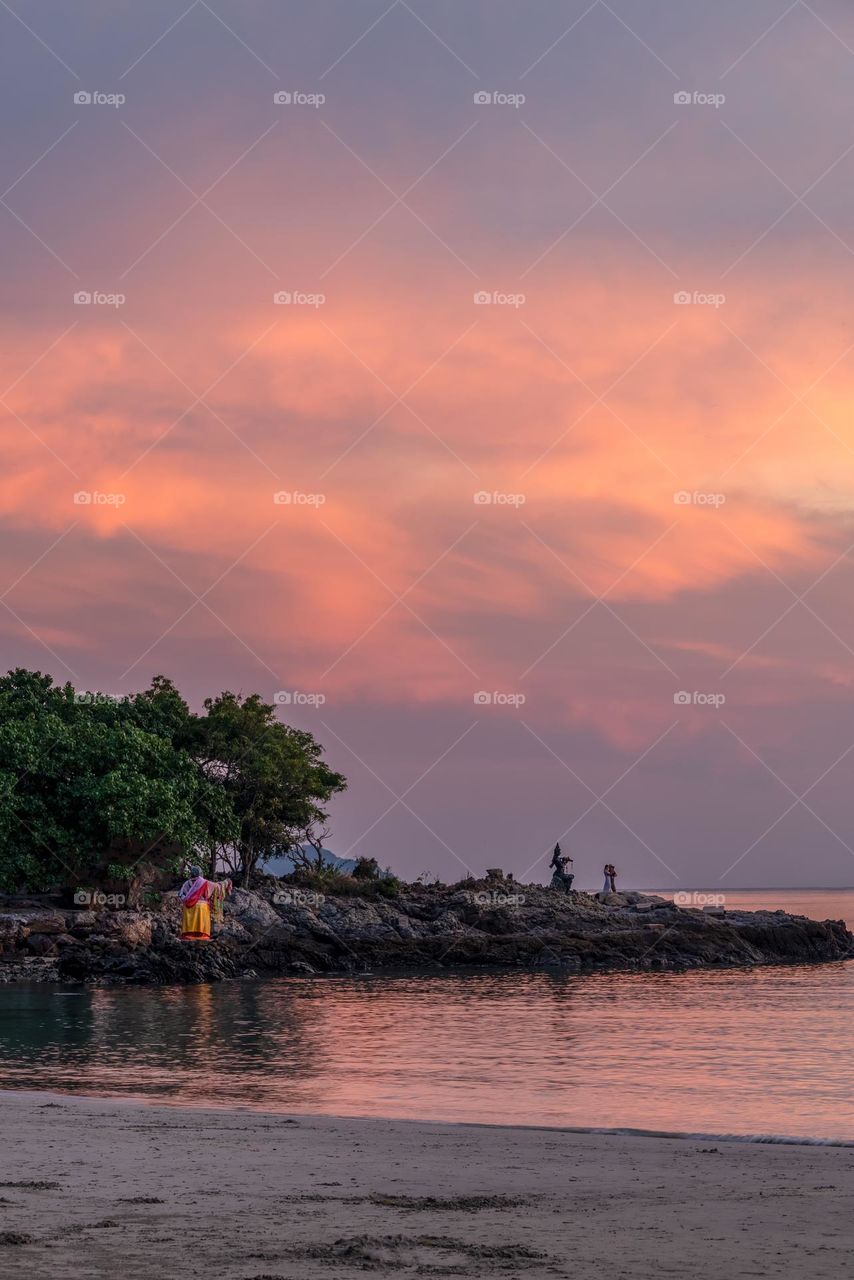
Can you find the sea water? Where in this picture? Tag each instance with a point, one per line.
(750, 1051)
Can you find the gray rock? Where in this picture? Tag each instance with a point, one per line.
(250, 910)
(420, 926)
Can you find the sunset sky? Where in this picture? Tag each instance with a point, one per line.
(659, 585)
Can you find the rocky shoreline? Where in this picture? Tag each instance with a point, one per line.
(280, 928)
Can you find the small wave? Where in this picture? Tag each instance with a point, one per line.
(777, 1139)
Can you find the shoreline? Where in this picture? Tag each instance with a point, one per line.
(605, 1131)
(97, 1186)
(43, 973)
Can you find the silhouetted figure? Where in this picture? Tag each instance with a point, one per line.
(561, 878)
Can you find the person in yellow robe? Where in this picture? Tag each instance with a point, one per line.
(196, 894)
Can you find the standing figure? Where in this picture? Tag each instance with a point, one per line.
(610, 885)
(196, 894)
(561, 878)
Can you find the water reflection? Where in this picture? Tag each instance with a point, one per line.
(763, 1051)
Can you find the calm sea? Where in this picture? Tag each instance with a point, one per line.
(768, 1051)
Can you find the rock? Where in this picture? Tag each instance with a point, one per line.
(40, 943)
(81, 922)
(170, 906)
(45, 922)
(132, 929)
(251, 911)
(29, 968)
(12, 931)
(284, 929)
(232, 930)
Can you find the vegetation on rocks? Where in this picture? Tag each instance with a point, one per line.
(106, 791)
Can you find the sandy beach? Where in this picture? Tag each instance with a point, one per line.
(100, 1187)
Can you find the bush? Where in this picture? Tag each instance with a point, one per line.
(335, 883)
(366, 869)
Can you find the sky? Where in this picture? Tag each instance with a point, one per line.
(472, 379)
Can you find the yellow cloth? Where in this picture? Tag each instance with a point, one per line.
(196, 922)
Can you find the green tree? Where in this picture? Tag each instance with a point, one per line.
(82, 775)
(274, 776)
(80, 772)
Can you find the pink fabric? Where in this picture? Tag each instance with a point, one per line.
(193, 891)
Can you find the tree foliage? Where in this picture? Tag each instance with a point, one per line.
(274, 776)
(84, 774)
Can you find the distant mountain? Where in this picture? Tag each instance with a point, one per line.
(284, 865)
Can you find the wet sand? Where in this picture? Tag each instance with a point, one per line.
(106, 1188)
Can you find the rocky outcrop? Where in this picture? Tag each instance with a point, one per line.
(281, 928)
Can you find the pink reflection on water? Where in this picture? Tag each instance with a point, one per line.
(764, 1051)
